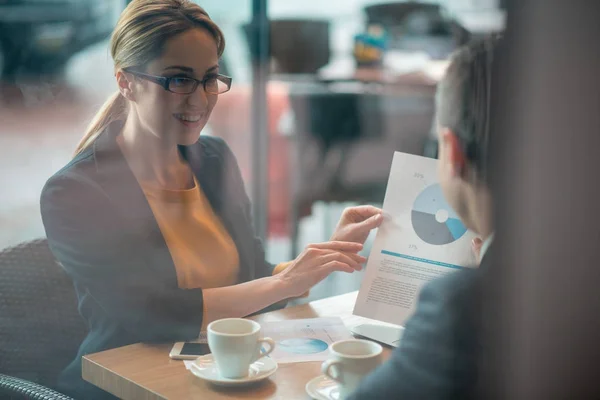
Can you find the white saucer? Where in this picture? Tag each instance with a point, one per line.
(323, 388)
(205, 368)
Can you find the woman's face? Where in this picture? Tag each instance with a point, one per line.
(171, 117)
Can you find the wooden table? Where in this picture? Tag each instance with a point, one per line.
(141, 371)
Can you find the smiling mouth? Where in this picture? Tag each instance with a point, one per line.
(188, 117)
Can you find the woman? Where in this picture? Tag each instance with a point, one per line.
(151, 221)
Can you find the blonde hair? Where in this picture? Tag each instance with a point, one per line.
(139, 38)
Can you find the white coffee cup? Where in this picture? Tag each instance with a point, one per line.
(350, 361)
(235, 343)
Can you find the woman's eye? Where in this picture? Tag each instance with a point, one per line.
(179, 81)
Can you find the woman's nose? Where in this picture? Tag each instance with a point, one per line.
(199, 97)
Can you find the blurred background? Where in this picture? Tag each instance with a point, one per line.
(345, 82)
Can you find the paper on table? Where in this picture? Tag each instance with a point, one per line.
(188, 364)
(421, 238)
(302, 340)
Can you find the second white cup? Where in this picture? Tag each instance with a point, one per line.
(235, 343)
(350, 361)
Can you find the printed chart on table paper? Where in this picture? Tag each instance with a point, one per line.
(302, 340)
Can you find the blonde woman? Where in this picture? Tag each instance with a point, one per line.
(150, 219)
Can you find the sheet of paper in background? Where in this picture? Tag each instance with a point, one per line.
(302, 340)
(421, 238)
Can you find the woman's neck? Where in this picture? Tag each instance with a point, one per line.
(153, 158)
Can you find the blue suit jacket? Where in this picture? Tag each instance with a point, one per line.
(437, 357)
(101, 229)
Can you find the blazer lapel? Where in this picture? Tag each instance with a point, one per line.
(118, 181)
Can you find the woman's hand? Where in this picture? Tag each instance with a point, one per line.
(356, 223)
(317, 261)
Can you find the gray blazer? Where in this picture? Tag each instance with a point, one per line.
(102, 230)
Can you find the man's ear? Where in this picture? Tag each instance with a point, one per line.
(453, 152)
(125, 83)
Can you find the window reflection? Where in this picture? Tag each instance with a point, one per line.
(351, 81)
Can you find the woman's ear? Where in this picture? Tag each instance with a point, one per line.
(125, 83)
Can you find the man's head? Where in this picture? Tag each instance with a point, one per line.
(462, 120)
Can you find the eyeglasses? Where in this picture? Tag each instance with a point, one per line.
(216, 84)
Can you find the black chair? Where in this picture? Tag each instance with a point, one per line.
(40, 327)
(12, 388)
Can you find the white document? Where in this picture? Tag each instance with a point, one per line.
(188, 364)
(421, 238)
(303, 340)
(299, 340)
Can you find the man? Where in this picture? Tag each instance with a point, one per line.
(437, 357)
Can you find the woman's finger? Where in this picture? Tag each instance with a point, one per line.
(319, 257)
(349, 247)
(354, 256)
(365, 211)
(371, 223)
(342, 257)
(357, 257)
(333, 266)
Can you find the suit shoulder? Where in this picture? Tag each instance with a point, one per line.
(77, 172)
(455, 286)
(79, 165)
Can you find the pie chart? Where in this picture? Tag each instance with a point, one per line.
(303, 346)
(433, 220)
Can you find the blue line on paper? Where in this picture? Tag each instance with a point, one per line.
(424, 260)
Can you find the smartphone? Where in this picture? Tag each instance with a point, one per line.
(188, 350)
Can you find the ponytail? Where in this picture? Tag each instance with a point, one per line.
(113, 109)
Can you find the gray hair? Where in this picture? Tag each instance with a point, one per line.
(464, 96)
